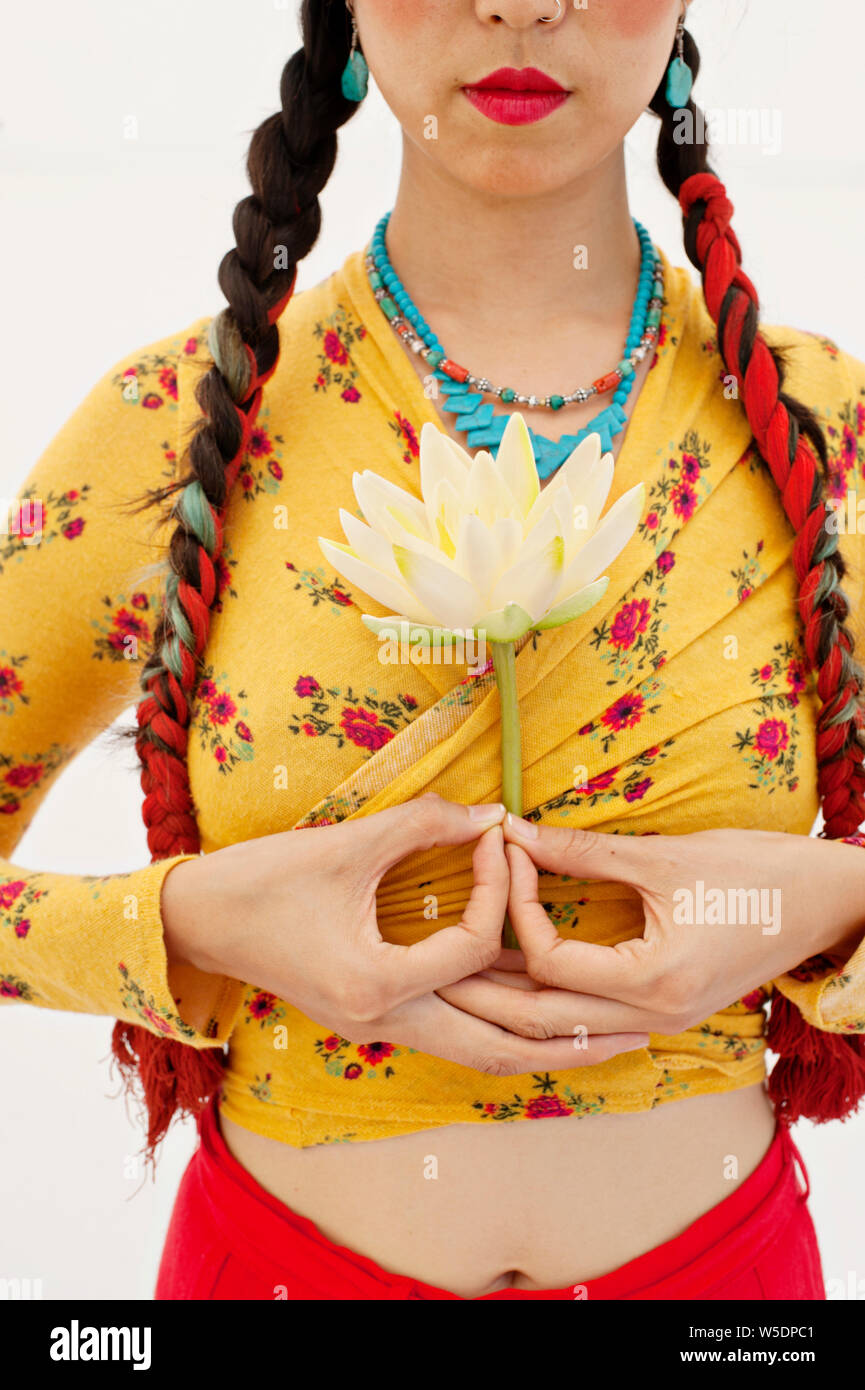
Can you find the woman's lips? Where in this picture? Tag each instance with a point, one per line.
(516, 96)
(510, 107)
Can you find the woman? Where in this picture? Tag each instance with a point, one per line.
(342, 932)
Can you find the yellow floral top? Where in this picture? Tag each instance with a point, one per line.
(677, 704)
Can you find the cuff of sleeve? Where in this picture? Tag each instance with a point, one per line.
(173, 1001)
(828, 994)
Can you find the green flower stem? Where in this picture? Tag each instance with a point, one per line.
(504, 665)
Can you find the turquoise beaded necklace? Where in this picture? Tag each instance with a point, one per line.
(463, 392)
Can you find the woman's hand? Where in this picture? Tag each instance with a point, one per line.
(295, 913)
(790, 897)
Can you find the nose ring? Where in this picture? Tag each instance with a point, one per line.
(550, 19)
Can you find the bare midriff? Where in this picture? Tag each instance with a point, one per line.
(532, 1205)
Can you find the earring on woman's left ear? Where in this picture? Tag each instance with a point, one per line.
(680, 78)
(355, 74)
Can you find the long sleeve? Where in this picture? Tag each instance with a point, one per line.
(78, 596)
(830, 991)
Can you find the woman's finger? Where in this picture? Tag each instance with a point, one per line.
(419, 824)
(407, 972)
(474, 1042)
(548, 1013)
(609, 972)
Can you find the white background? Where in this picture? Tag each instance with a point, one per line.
(109, 243)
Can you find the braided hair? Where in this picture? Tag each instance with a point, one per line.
(291, 157)
(817, 1074)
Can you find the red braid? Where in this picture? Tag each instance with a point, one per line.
(174, 1076)
(818, 1074)
(291, 157)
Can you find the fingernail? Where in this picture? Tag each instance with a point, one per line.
(524, 828)
(489, 813)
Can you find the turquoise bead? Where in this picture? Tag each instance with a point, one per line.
(435, 357)
(508, 395)
(388, 306)
(556, 402)
(680, 80)
(355, 77)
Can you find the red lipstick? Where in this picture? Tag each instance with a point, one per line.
(516, 96)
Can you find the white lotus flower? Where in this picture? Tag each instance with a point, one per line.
(487, 551)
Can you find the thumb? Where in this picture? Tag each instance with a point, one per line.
(423, 823)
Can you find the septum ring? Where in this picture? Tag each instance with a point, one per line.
(551, 19)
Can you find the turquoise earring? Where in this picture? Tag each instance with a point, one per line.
(355, 74)
(680, 78)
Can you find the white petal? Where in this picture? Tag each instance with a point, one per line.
(444, 511)
(400, 628)
(486, 494)
(375, 496)
(368, 544)
(590, 494)
(438, 460)
(478, 556)
(570, 476)
(515, 462)
(450, 597)
(534, 581)
(572, 607)
(389, 592)
(507, 533)
(609, 540)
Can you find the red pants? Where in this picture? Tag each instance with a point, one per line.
(230, 1239)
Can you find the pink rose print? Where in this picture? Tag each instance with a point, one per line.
(168, 382)
(363, 728)
(629, 622)
(542, 1107)
(10, 891)
(23, 776)
(772, 738)
(665, 561)
(598, 783)
(334, 348)
(9, 683)
(307, 685)
(638, 791)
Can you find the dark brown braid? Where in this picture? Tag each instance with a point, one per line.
(818, 1074)
(291, 158)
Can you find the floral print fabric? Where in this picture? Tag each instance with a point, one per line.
(682, 702)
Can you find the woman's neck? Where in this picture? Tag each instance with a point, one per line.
(482, 267)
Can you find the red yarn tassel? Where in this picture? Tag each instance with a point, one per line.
(172, 1076)
(819, 1076)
